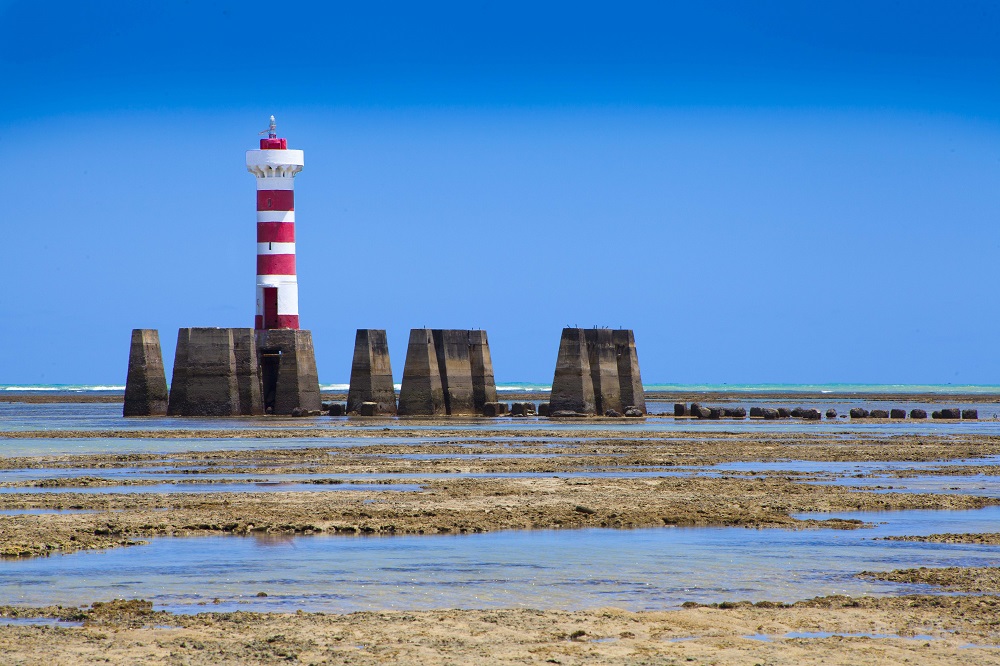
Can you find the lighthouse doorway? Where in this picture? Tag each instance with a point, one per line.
(271, 307)
(270, 362)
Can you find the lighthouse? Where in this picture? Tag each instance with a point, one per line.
(285, 356)
(275, 168)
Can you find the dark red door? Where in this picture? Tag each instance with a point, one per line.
(270, 307)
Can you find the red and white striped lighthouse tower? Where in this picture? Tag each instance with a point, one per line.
(275, 167)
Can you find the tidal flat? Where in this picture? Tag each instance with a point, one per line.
(398, 540)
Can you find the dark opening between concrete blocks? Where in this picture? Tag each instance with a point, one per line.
(288, 359)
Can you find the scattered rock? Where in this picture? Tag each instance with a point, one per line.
(769, 414)
(566, 413)
(633, 412)
(756, 412)
(680, 409)
(970, 414)
(784, 412)
(614, 414)
(298, 411)
(879, 414)
(918, 414)
(810, 414)
(859, 413)
(897, 413)
(831, 413)
(736, 412)
(493, 409)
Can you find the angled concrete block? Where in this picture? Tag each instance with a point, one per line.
(204, 379)
(572, 384)
(371, 373)
(484, 386)
(146, 382)
(421, 392)
(629, 377)
(287, 363)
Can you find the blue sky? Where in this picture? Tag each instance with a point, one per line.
(764, 192)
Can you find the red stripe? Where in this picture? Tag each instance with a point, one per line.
(275, 232)
(288, 321)
(283, 321)
(275, 264)
(275, 200)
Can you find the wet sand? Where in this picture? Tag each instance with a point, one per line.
(130, 633)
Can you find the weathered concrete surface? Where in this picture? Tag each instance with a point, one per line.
(453, 363)
(629, 377)
(146, 383)
(484, 387)
(247, 372)
(371, 373)
(288, 370)
(421, 392)
(597, 371)
(603, 370)
(204, 379)
(455, 369)
(572, 384)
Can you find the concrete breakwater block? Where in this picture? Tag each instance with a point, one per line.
(918, 414)
(447, 372)
(371, 373)
(206, 378)
(146, 382)
(288, 373)
(597, 371)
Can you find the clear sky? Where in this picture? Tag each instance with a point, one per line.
(764, 191)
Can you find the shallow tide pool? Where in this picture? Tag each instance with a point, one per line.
(642, 569)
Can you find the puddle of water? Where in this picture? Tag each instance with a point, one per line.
(644, 569)
(37, 622)
(978, 484)
(831, 634)
(846, 468)
(763, 638)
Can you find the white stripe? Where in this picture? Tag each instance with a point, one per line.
(276, 183)
(275, 248)
(275, 280)
(288, 296)
(288, 299)
(276, 216)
